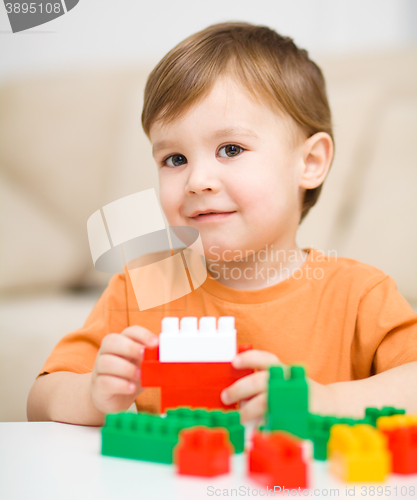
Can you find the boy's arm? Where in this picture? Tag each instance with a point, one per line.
(63, 397)
(62, 394)
(395, 387)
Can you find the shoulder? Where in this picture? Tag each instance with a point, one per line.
(347, 271)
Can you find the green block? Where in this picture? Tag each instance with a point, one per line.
(144, 436)
(288, 401)
(387, 411)
(230, 420)
(319, 431)
(139, 436)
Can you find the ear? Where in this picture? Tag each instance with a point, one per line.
(317, 157)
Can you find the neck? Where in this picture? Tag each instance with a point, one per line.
(253, 270)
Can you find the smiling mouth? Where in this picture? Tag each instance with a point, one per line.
(212, 216)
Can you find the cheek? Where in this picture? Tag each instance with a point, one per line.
(267, 200)
(170, 198)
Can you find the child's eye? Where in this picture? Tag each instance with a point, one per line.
(179, 160)
(232, 149)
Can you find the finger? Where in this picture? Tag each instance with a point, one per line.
(245, 387)
(108, 364)
(141, 334)
(255, 359)
(121, 345)
(254, 408)
(114, 385)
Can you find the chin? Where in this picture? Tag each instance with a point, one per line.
(219, 251)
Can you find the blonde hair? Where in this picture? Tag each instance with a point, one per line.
(268, 66)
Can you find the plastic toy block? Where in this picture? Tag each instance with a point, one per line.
(396, 421)
(197, 375)
(203, 451)
(358, 453)
(319, 431)
(288, 401)
(230, 420)
(276, 459)
(187, 343)
(139, 436)
(319, 426)
(374, 413)
(401, 432)
(189, 384)
(149, 437)
(203, 397)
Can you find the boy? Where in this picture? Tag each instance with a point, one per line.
(241, 132)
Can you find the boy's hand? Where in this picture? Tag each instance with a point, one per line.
(254, 387)
(115, 381)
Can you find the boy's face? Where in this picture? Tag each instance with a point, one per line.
(251, 180)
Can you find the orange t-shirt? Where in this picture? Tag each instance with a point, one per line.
(342, 319)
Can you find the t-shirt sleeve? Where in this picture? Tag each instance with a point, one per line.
(76, 352)
(386, 330)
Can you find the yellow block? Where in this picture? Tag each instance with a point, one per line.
(396, 421)
(358, 453)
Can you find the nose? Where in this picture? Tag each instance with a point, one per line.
(202, 178)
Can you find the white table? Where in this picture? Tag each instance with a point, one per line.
(54, 461)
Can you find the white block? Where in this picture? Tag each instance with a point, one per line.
(207, 324)
(226, 323)
(170, 325)
(189, 325)
(190, 344)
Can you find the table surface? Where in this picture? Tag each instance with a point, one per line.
(55, 461)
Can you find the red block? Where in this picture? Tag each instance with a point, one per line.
(203, 451)
(276, 460)
(198, 385)
(157, 374)
(402, 443)
(202, 397)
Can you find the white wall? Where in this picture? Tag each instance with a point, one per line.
(121, 31)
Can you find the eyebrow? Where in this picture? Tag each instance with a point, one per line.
(215, 135)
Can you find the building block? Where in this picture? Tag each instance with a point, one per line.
(319, 431)
(276, 459)
(386, 411)
(396, 421)
(208, 344)
(288, 401)
(156, 374)
(230, 420)
(189, 384)
(319, 426)
(203, 451)
(204, 397)
(149, 437)
(358, 453)
(401, 432)
(139, 436)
